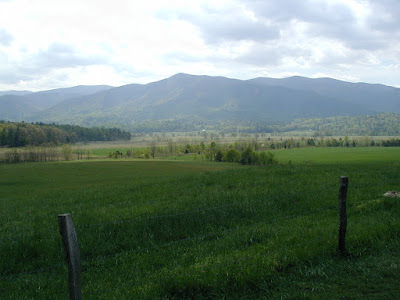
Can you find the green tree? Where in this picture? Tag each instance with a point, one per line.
(153, 148)
(249, 157)
(218, 156)
(267, 158)
(66, 151)
(232, 156)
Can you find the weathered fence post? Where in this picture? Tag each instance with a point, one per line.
(344, 182)
(70, 241)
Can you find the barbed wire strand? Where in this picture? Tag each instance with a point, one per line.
(186, 273)
(180, 240)
(236, 261)
(41, 270)
(205, 236)
(145, 249)
(197, 210)
(193, 211)
(152, 217)
(19, 237)
(185, 239)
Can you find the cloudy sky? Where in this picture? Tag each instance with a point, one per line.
(47, 44)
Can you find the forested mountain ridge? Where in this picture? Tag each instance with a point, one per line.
(377, 97)
(13, 107)
(193, 97)
(16, 106)
(386, 124)
(194, 101)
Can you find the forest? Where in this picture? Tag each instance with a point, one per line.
(37, 134)
(386, 124)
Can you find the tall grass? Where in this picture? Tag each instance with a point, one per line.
(151, 230)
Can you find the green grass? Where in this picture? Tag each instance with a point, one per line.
(200, 230)
(104, 152)
(338, 155)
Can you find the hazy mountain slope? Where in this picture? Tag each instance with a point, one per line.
(16, 93)
(205, 99)
(98, 104)
(376, 97)
(18, 107)
(222, 98)
(13, 108)
(189, 96)
(46, 99)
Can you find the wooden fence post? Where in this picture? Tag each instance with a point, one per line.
(344, 182)
(71, 247)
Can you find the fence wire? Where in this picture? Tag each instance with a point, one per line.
(219, 233)
(288, 195)
(206, 236)
(41, 270)
(138, 219)
(220, 263)
(51, 234)
(189, 238)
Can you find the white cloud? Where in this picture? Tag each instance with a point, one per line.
(5, 38)
(52, 43)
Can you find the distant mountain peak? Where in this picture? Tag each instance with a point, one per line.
(202, 97)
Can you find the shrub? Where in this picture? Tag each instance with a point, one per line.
(231, 156)
(249, 157)
(218, 156)
(267, 158)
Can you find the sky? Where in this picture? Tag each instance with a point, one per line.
(46, 44)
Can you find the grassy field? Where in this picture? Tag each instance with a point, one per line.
(200, 230)
(340, 155)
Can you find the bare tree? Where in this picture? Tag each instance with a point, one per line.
(153, 148)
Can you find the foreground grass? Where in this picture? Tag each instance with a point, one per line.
(151, 230)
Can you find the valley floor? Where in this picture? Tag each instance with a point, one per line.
(154, 229)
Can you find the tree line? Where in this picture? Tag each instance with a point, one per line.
(14, 134)
(243, 154)
(44, 154)
(383, 124)
(250, 147)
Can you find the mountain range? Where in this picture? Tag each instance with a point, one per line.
(201, 98)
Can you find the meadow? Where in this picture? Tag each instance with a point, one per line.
(193, 229)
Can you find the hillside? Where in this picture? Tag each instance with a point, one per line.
(196, 101)
(16, 106)
(13, 107)
(386, 124)
(191, 97)
(377, 97)
(12, 92)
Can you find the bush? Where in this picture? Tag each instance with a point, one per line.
(267, 158)
(231, 156)
(218, 156)
(249, 157)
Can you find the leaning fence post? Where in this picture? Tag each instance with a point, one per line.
(344, 182)
(71, 247)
